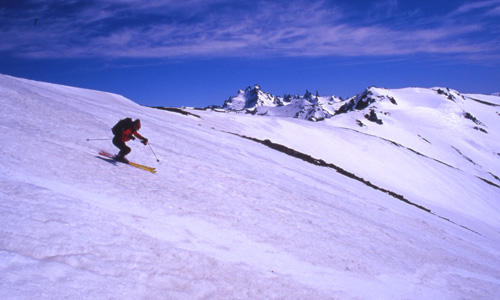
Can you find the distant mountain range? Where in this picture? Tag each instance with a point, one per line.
(316, 108)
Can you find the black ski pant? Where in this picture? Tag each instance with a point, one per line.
(124, 149)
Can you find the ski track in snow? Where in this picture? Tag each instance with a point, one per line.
(228, 218)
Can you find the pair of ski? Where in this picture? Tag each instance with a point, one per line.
(142, 167)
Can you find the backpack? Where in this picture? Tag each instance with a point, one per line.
(122, 125)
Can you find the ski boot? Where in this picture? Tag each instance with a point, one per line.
(121, 158)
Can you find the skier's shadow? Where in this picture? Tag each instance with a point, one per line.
(108, 160)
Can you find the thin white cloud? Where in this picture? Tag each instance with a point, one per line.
(468, 7)
(495, 11)
(195, 28)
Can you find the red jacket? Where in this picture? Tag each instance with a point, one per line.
(128, 133)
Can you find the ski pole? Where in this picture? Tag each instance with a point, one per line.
(153, 152)
(88, 140)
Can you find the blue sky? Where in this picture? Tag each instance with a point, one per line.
(200, 52)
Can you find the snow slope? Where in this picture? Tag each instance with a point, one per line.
(227, 217)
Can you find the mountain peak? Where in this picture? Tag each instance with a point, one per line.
(250, 99)
(255, 101)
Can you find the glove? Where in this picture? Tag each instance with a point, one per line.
(144, 141)
(132, 137)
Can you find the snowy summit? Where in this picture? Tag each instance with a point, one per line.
(393, 195)
(309, 107)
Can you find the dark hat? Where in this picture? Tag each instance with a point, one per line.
(137, 124)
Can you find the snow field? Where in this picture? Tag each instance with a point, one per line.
(224, 217)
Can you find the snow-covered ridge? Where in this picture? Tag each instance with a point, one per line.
(316, 108)
(308, 106)
(246, 207)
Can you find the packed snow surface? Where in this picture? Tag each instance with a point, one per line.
(415, 215)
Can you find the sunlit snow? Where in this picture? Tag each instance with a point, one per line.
(226, 217)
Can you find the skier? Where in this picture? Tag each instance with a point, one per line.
(124, 131)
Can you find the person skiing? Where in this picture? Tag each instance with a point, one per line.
(124, 131)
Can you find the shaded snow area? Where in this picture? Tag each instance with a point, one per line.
(249, 207)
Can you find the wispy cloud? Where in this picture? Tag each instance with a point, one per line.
(218, 28)
(473, 6)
